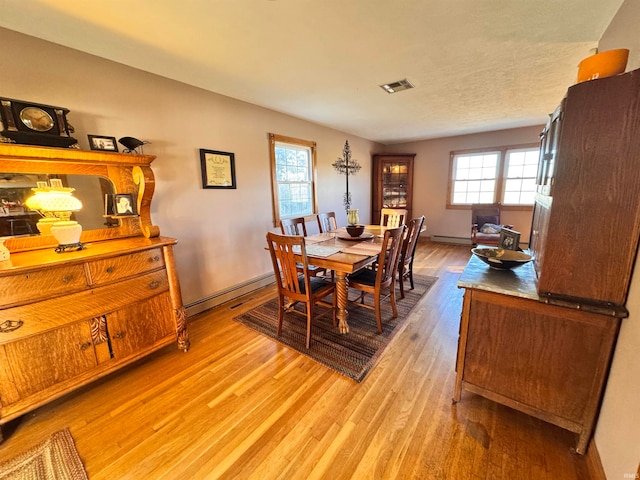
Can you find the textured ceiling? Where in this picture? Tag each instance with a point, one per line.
(477, 65)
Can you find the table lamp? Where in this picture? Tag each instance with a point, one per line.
(57, 202)
(34, 202)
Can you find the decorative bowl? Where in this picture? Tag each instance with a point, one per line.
(603, 64)
(355, 230)
(501, 259)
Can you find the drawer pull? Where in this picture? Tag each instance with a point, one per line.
(67, 278)
(153, 285)
(110, 269)
(118, 335)
(84, 346)
(155, 258)
(10, 325)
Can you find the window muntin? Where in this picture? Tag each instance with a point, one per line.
(293, 164)
(506, 175)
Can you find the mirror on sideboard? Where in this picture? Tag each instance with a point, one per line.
(17, 219)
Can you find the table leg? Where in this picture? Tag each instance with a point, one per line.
(342, 290)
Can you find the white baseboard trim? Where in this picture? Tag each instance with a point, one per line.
(229, 294)
(447, 239)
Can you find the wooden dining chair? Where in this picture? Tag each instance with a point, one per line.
(392, 217)
(296, 226)
(381, 280)
(296, 286)
(327, 222)
(293, 226)
(405, 262)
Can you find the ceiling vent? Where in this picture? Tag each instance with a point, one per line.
(396, 86)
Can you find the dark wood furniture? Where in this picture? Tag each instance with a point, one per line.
(380, 282)
(295, 284)
(548, 353)
(69, 318)
(405, 263)
(392, 183)
(548, 361)
(586, 221)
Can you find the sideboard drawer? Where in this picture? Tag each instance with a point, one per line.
(36, 285)
(115, 268)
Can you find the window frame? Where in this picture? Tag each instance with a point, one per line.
(500, 179)
(311, 145)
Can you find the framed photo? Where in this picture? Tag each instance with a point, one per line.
(218, 169)
(98, 142)
(123, 205)
(509, 239)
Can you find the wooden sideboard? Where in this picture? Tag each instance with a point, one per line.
(69, 318)
(545, 360)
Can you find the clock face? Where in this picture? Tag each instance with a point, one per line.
(36, 119)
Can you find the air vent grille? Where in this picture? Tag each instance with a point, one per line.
(398, 86)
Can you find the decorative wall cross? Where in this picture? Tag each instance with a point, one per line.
(346, 166)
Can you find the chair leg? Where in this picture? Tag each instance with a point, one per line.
(401, 280)
(411, 274)
(392, 297)
(281, 308)
(377, 301)
(309, 317)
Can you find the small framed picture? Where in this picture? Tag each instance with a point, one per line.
(218, 169)
(509, 239)
(98, 142)
(123, 205)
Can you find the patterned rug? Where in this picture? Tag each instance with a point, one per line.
(353, 354)
(55, 458)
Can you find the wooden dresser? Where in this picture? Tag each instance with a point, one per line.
(69, 318)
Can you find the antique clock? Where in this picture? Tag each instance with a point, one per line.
(34, 124)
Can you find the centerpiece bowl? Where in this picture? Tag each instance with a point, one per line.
(501, 259)
(355, 230)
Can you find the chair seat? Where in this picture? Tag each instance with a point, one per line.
(317, 284)
(365, 276)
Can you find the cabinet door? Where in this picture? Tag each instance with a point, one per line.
(549, 360)
(393, 183)
(139, 328)
(41, 361)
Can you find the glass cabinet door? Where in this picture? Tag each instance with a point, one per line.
(394, 184)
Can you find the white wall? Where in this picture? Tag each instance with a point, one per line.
(617, 434)
(221, 233)
(431, 171)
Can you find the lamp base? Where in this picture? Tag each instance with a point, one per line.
(70, 247)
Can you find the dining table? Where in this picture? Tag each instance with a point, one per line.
(336, 250)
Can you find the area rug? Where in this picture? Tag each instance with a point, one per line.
(353, 354)
(55, 458)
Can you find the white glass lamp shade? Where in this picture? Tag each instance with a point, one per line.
(60, 203)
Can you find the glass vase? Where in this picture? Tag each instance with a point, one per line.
(352, 216)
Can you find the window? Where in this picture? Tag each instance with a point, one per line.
(293, 172)
(504, 174)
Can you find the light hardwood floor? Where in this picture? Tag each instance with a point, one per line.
(239, 405)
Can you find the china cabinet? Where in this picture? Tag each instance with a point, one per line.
(586, 222)
(69, 318)
(540, 339)
(392, 185)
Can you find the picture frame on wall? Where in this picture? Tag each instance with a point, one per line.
(99, 142)
(509, 239)
(218, 169)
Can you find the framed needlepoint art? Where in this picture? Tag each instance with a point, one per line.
(218, 169)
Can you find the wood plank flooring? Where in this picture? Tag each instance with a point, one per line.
(240, 406)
